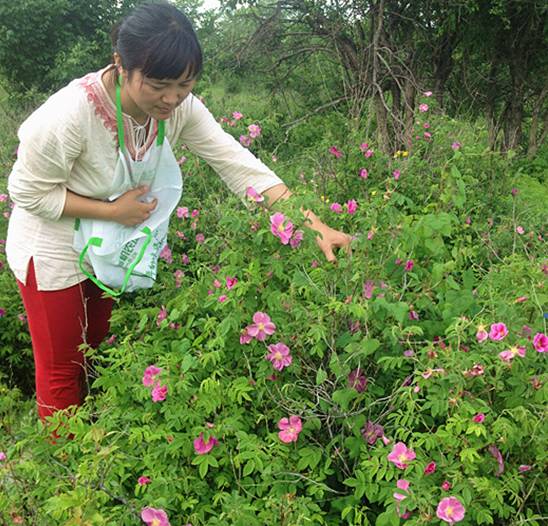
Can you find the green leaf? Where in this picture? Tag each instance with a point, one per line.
(343, 397)
(321, 376)
(388, 518)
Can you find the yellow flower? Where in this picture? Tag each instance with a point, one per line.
(374, 192)
(405, 153)
(397, 154)
(324, 199)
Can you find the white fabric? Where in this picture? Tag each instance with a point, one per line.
(130, 250)
(67, 144)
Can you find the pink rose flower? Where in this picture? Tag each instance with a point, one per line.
(396, 174)
(162, 315)
(142, 481)
(333, 150)
(254, 130)
(497, 455)
(423, 107)
(479, 418)
(279, 355)
(401, 455)
(363, 173)
(450, 510)
(524, 467)
(368, 288)
(456, 146)
(446, 485)
(261, 327)
(236, 115)
(357, 380)
(403, 485)
(296, 239)
(279, 229)
(510, 354)
(245, 141)
(178, 275)
(540, 342)
(150, 374)
(371, 432)
(154, 517)
(409, 265)
(351, 206)
(159, 393)
(182, 212)
(245, 337)
(230, 282)
(166, 255)
(427, 93)
(337, 208)
(430, 468)
(253, 195)
(289, 429)
(201, 447)
(481, 334)
(498, 331)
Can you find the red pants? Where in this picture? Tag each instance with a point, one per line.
(59, 322)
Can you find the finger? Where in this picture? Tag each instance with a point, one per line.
(328, 253)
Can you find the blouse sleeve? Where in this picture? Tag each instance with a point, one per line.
(236, 165)
(50, 141)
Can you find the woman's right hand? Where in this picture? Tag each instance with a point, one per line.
(129, 210)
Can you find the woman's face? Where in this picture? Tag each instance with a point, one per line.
(158, 98)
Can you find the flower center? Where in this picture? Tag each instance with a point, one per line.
(281, 228)
(278, 355)
(449, 511)
(155, 522)
(402, 458)
(261, 326)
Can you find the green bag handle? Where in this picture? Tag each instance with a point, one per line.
(97, 242)
(120, 120)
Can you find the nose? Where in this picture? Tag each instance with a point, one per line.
(170, 97)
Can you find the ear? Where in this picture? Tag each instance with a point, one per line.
(118, 63)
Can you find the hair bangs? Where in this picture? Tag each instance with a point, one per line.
(172, 55)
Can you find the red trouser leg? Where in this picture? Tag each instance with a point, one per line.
(59, 322)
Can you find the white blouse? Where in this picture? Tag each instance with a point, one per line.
(70, 142)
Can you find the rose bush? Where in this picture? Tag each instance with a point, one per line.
(259, 384)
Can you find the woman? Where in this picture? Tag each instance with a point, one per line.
(70, 149)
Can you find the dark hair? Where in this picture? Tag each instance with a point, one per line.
(159, 40)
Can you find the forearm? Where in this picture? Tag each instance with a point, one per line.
(279, 192)
(85, 207)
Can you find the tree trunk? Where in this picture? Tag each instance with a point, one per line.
(538, 111)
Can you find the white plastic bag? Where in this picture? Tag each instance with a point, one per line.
(123, 258)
